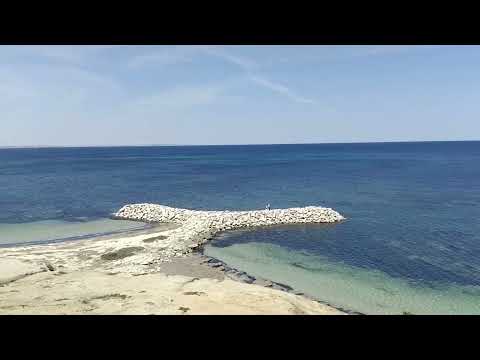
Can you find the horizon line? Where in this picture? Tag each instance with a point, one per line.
(259, 144)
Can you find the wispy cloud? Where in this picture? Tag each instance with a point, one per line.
(179, 97)
(241, 61)
(308, 54)
(391, 49)
(165, 56)
(183, 54)
(281, 89)
(252, 67)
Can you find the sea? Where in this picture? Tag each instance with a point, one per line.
(410, 243)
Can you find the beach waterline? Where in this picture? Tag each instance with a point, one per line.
(339, 284)
(60, 230)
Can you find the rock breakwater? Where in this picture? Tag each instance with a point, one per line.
(200, 226)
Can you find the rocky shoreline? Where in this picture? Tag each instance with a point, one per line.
(102, 275)
(203, 226)
(242, 276)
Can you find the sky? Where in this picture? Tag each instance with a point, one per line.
(180, 95)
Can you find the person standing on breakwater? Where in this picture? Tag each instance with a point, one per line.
(267, 207)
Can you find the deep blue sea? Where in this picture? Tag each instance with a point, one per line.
(411, 241)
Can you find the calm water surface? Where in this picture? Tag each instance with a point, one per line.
(410, 242)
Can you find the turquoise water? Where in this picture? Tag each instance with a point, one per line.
(345, 286)
(57, 230)
(412, 210)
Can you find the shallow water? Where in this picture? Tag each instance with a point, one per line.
(364, 290)
(57, 230)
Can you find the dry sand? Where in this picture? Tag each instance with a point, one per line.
(131, 275)
(97, 292)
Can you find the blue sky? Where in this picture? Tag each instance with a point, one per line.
(135, 95)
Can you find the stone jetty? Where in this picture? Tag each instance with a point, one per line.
(200, 226)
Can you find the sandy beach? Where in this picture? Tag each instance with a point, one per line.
(135, 274)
